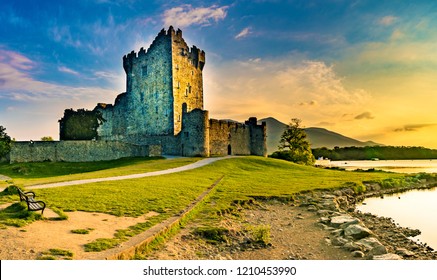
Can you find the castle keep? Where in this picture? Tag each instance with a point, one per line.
(162, 109)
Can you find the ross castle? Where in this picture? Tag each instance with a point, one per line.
(161, 111)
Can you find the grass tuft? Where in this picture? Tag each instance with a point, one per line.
(82, 231)
(54, 254)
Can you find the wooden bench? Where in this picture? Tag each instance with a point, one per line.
(32, 204)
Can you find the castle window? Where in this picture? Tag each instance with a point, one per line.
(192, 72)
(186, 92)
(144, 71)
(178, 85)
(177, 67)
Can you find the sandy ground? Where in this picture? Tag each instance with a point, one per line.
(28, 242)
(294, 232)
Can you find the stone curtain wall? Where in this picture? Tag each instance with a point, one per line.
(76, 151)
(228, 138)
(232, 138)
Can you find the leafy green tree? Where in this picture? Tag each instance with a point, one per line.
(5, 142)
(47, 138)
(294, 145)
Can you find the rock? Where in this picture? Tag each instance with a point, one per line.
(389, 257)
(337, 221)
(348, 191)
(339, 241)
(329, 205)
(357, 254)
(352, 246)
(328, 228)
(337, 232)
(357, 231)
(324, 213)
(342, 201)
(378, 250)
(404, 252)
(369, 243)
(312, 208)
(337, 193)
(328, 196)
(324, 220)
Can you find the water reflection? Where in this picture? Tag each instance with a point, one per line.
(414, 209)
(400, 166)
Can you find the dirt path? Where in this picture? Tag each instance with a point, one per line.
(191, 166)
(295, 234)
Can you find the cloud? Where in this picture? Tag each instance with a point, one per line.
(365, 115)
(387, 20)
(244, 33)
(187, 15)
(283, 88)
(413, 127)
(62, 34)
(16, 60)
(68, 70)
(19, 85)
(309, 103)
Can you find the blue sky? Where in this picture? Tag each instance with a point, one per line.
(363, 68)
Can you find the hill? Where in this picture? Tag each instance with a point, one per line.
(318, 137)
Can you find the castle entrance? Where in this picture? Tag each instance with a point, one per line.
(229, 150)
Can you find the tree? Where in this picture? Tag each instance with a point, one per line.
(294, 145)
(47, 138)
(5, 142)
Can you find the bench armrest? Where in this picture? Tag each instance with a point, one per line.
(30, 194)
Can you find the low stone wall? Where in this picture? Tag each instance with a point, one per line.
(77, 151)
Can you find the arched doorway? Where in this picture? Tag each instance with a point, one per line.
(229, 150)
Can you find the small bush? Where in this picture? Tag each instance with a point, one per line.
(260, 234)
(213, 234)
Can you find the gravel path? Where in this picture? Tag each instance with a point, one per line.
(194, 165)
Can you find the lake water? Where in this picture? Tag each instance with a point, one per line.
(415, 209)
(400, 166)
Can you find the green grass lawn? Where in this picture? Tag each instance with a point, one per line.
(26, 174)
(244, 177)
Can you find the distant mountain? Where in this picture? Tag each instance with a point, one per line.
(318, 137)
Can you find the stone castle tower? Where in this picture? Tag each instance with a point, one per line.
(163, 107)
(161, 83)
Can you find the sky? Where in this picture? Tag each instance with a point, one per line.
(363, 68)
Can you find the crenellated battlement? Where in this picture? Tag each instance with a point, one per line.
(194, 54)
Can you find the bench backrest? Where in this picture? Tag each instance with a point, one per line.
(23, 196)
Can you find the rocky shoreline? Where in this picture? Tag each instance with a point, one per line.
(363, 235)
